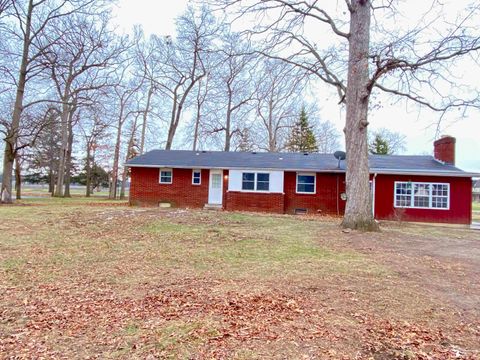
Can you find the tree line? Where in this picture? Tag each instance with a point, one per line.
(73, 90)
(85, 97)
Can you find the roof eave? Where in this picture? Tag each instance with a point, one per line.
(423, 173)
(372, 171)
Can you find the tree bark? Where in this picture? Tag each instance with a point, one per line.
(11, 138)
(64, 147)
(51, 181)
(18, 178)
(127, 157)
(358, 211)
(116, 155)
(88, 170)
(68, 160)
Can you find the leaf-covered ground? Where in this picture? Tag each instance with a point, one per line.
(95, 279)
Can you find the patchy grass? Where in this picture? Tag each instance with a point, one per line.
(94, 278)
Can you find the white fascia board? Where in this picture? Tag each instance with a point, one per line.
(423, 173)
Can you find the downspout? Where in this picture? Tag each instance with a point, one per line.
(373, 195)
(338, 205)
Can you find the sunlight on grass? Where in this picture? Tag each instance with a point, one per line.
(253, 245)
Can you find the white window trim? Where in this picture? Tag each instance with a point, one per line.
(160, 176)
(193, 172)
(254, 190)
(314, 183)
(430, 195)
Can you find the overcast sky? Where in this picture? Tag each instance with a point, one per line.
(158, 17)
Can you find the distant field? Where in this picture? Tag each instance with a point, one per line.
(93, 278)
(42, 190)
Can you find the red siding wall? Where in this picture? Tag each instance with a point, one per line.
(326, 200)
(145, 188)
(250, 201)
(460, 211)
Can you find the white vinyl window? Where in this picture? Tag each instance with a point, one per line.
(166, 176)
(255, 181)
(422, 195)
(196, 177)
(306, 183)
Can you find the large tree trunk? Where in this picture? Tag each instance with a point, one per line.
(113, 187)
(11, 138)
(64, 148)
(51, 181)
(197, 120)
(68, 160)
(18, 178)
(128, 156)
(228, 134)
(228, 121)
(88, 170)
(358, 211)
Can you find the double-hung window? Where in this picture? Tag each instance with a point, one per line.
(255, 181)
(196, 177)
(422, 195)
(305, 183)
(166, 176)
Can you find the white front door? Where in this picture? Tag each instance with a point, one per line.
(215, 187)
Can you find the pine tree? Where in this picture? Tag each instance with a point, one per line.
(302, 138)
(379, 146)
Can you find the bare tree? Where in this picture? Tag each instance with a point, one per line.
(93, 128)
(182, 61)
(395, 141)
(278, 102)
(147, 68)
(126, 106)
(327, 137)
(78, 63)
(235, 87)
(412, 65)
(29, 22)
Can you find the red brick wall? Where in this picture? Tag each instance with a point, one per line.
(444, 149)
(324, 201)
(251, 201)
(460, 211)
(145, 188)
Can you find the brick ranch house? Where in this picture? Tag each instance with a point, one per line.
(411, 188)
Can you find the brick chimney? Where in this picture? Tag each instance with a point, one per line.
(444, 149)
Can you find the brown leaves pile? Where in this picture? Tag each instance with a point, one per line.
(87, 321)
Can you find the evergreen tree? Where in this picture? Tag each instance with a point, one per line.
(379, 146)
(302, 138)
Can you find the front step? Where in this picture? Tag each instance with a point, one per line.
(213, 207)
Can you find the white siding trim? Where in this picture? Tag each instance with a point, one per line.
(412, 200)
(314, 183)
(193, 172)
(160, 176)
(275, 181)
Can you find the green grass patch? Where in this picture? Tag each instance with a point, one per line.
(253, 245)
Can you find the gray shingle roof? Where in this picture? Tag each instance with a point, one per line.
(395, 164)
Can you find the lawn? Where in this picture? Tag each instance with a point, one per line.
(83, 278)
